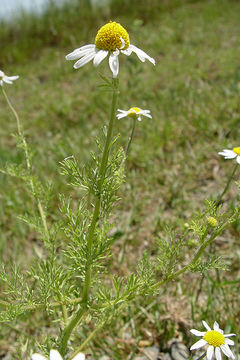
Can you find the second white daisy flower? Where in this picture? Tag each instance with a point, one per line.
(134, 112)
(231, 154)
(7, 79)
(54, 355)
(112, 39)
(216, 340)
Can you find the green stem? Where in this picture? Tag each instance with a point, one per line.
(102, 171)
(155, 286)
(89, 338)
(218, 201)
(91, 231)
(28, 162)
(131, 136)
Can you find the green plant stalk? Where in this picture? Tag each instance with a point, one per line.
(165, 281)
(89, 338)
(218, 201)
(84, 303)
(194, 260)
(131, 136)
(21, 135)
(185, 268)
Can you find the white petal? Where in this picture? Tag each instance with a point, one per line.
(80, 54)
(1, 82)
(84, 60)
(227, 151)
(148, 115)
(116, 52)
(122, 111)
(84, 47)
(232, 156)
(218, 353)
(238, 159)
(226, 350)
(210, 351)
(13, 77)
(142, 55)
(228, 155)
(216, 326)
(206, 325)
(127, 51)
(198, 344)
(123, 43)
(229, 342)
(77, 53)
(38, 357)
(1, 73)
(139, 118)
(6, 80)
(229, 335)
(120, 116)
(197, 333)
(54, 355)
(79, 356)
(99, 57)
(114, 64)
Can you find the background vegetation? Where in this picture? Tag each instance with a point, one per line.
(194, 97)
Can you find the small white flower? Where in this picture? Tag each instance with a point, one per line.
(216, 340)
(134, 112)
(54, 355)
(231, 154)
(112, 39)
(7, 79)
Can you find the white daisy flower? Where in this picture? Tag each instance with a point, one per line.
(216, 340)
(134, 112)
(112, 39)
(7, 79)
(54, 355)
(231, 154)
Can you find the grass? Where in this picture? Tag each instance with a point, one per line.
(193, 95)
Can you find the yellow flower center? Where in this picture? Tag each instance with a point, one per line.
(237, 150)
(109, 37)
(214, 338)
(133, 111)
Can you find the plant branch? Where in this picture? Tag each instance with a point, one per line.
(28, 163)
(91, 231)
(219, 199)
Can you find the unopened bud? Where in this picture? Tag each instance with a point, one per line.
(212, 221)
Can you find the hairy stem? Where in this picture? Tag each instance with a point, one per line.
(219, 199)
(89, 338)
(168, 279)
(131, 136)
(28, 163)
(91, 231)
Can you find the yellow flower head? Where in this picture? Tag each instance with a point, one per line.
(112, 36)
(237, 150)
(214, 338)
(216, 341)
(134, 111)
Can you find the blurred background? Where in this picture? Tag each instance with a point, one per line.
(33, 24)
